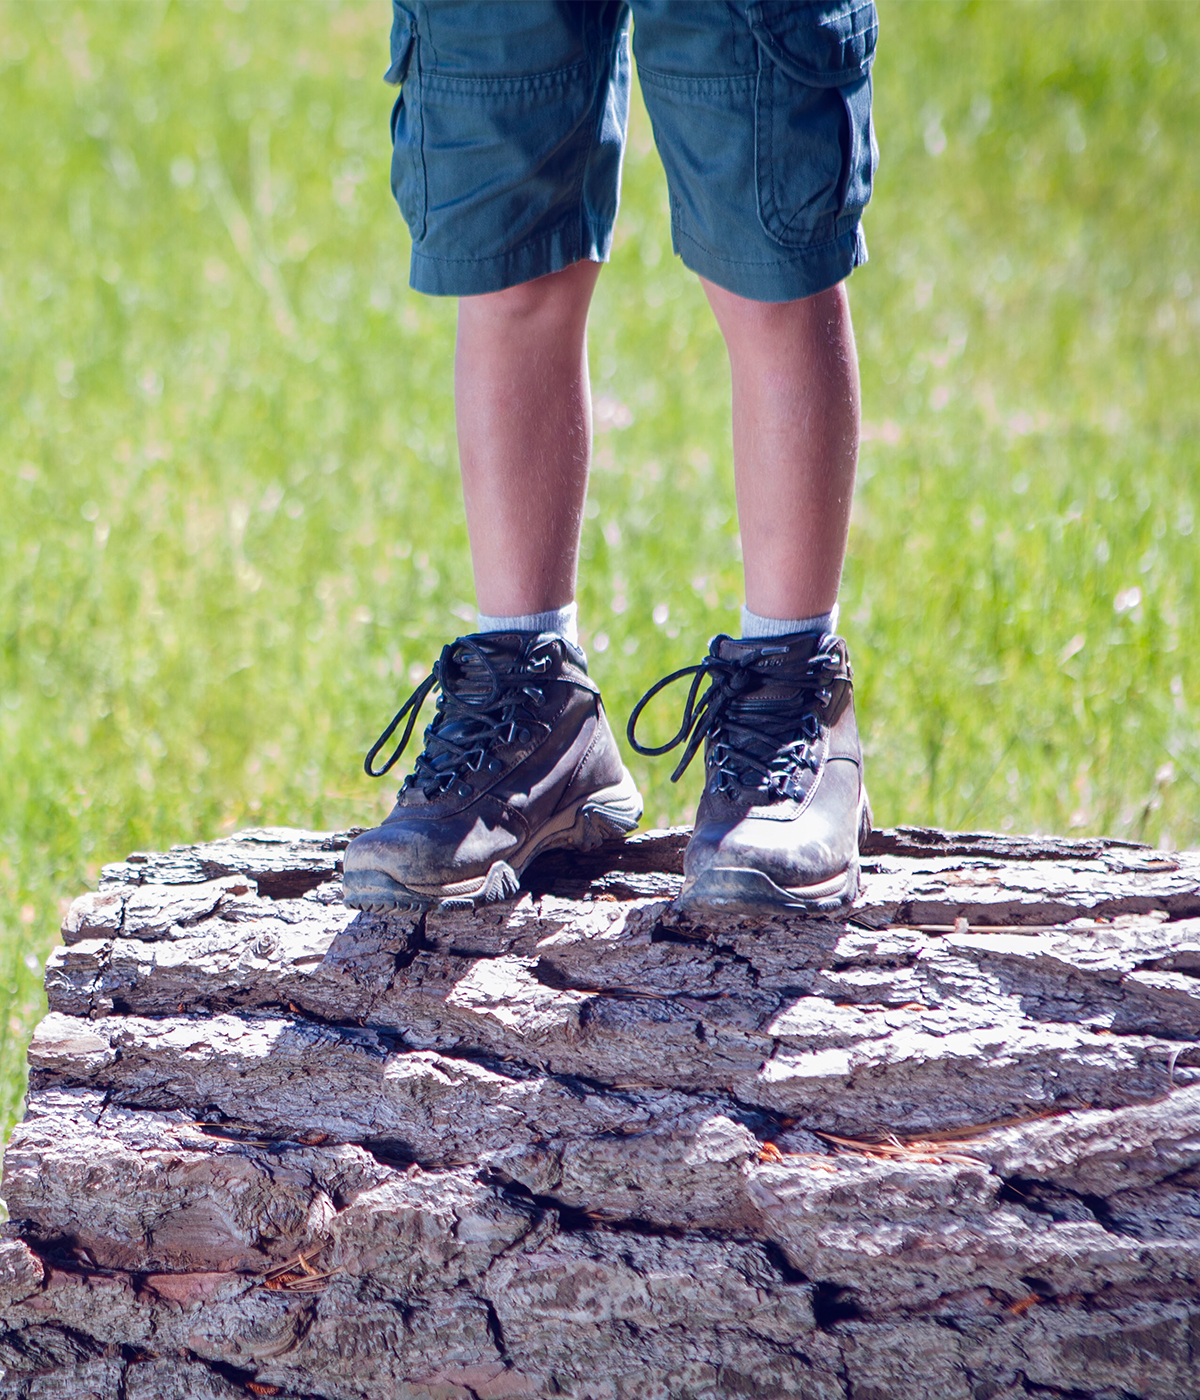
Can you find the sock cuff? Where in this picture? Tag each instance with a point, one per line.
(755, 626)
(564, 621)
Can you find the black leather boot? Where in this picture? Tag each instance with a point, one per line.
(784, 807)
(519, 759)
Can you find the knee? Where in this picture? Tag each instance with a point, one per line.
(764, 328)
(558, 299)
(757, 317)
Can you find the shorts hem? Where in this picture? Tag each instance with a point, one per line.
(803, 273)
(464, 277)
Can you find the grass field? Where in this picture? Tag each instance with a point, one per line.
(231, 541)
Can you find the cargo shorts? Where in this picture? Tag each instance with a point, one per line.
(509, 132)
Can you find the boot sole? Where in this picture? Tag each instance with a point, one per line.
(601, 816)
(741, 889)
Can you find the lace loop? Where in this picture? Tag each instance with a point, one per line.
(480, 704)
(773, 743)
(412, 708)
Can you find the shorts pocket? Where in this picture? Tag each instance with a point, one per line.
(815, 147)
(408, 162)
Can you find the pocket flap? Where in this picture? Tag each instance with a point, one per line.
(404, 31)
(825, 44)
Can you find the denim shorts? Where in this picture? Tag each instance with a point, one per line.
(509, 131)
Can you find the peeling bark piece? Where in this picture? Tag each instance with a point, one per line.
(1100, 1154)
(96, 914)
(284, 862)
(901, 890)
(929, 842)
(21, 1272)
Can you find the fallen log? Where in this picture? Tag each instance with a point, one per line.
(581, 1145)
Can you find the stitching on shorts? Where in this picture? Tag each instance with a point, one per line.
(428, 32)
(603, 74)
(546, 236)
(777, 226)
(424, 159)
(801, 253)
(697, 86)
(814, 74)
(853, 14)
(858, 10)
(516, 84)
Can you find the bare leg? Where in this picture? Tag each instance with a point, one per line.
(795, 444)
(523, 410)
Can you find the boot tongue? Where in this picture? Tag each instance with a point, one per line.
(468, 678)
(467, 673)
(465, 676)
(779, 664)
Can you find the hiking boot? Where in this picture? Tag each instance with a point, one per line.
(784, 808)
(519, 759)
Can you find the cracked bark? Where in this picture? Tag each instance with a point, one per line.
(577, 1145)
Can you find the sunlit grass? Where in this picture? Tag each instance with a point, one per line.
(231, 534)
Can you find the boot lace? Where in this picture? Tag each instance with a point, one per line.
(754, 744)
(480, 704)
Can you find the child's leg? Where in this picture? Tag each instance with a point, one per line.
(762, 116)
(784, 807)
(795, 444)
(507, 134)
(520, 757)
(523, 409)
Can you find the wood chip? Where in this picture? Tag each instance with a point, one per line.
(1022, 1305)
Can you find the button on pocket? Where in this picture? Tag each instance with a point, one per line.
(814, 144)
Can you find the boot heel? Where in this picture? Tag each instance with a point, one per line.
(610, 814)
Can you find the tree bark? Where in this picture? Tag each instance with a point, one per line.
(947, 1148)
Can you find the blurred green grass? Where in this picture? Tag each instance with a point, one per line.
(231, 535)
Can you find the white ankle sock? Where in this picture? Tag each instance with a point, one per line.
(564, 621)
(754, 626)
